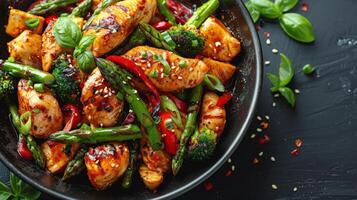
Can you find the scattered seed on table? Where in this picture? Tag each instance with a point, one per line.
(274, 187)
(267, 62)
(255, 161)
(276, 95)
(297, 91)
(267, 34)
(274, 104)
(272, 158)
(295, 152)
(264, 139)
(268, 42)
(208, 186)
(259, 130)
(295, 189)
(252, 136)
(233, 168)
(298, 142)
(261, 154)
(305, 7)
(259, 118)
(229, 173)
(264, 125)
(267, 117)
(229, 160)
(275, 51)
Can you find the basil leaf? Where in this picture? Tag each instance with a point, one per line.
(274, 79)
(86, 62)
(32, 22)
(308, 69)
(286, 71)
(288, 94)
(84, 43)
(297, 27)
(15, 183)
(67, 33)
(267, 8)
(252, 11)
(286, 5)
(5, 192)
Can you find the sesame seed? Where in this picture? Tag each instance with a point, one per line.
(191, 69)
(267, 62)
(267, 117)
(218, 44)
(229, 160)
(113, 165)
(259, 130)
(179, 77)
(259, 118)
(274, 104)
(295, 189)
(276, 95)
(268, 41)
(297, 91)
(272, 158)
(124, 82)
(233, 167)
(274, 187)
(275, 51)
(261, 153)
(252, 136)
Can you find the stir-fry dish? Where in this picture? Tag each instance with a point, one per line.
(116, 89)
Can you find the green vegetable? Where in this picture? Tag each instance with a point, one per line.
(155, 37)
(286, 5)
(297, 27)
(66, 84)
(163, 9)
(129, 173)
(102, 6)
(76, 165)
(182, 64)
(84, 43)
(308, 69)
(98, 135)
(267, 8)
(39, 87)
(274, 79)
(168, 105)
(7, 85)
(28, 72)
(213, 83)
(254, 13)
(86, 62)
(286, 70)
(153, 74)
(288, 94)
(19, 190)
(67, 33)
(32, 22)
(48, 6)
(36, 151)
(192, 112)
(202, 13)
(82, 9)
(118, 78)
(202, 144)
(164, 62)
(137, 38)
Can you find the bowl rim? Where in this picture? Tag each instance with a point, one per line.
(220, 162)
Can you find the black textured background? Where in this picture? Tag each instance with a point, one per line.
(324, 118)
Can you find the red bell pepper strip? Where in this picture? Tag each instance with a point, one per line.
(133, 68)
(50, 18)
(170, 139)
(181, 105)
(181, 12)
(72, 116)
(223, 100)
(22, 148)
(162, 25)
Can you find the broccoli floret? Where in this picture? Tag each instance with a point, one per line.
(66, 85)
(7, 85)
(188, 41)
(202, 145)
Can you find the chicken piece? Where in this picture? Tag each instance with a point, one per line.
(106, 163)
(183, 73)
(46, 114)
(26, 49)
(219, 42)
(152, 179)
(16, 22)
(115, 23)
(212, 116)
(50, 49)
(100, 104)
(158, 161)
(223, 71)
(58, 155)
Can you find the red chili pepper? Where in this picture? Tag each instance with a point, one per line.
(51, 18)
(181, 105)
(170, 139)
(133, 68)
(181, 12)
(162, 25)
(72, 116)
(224, 99)
(22, 148)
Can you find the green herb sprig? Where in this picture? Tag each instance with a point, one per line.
(19, 190)
(295, 25)
(280, 82)
(69, 35)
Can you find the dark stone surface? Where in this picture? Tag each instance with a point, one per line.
(324, 118)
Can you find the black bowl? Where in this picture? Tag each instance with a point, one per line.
(246, 87)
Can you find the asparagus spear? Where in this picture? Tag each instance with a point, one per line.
(35, 150)
(193, 109)
(118, 78)
(27, 72)
(102, 6)
(128, 176)
(137, 38)
(156, 38)
(162, 5)
(82, 9)
(202, 13)
(76, 165)
(47, 6)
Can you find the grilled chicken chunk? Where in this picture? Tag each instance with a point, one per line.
(58, 155)
(114, 24)
(219, 42)
(50, 49)
(178, 74)
(100, 105)
(106, 163)
(212, 116)
(46, 114)
(26, 48)
(152, 179)
(158, 161)
(223, 71)
(16, 22)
